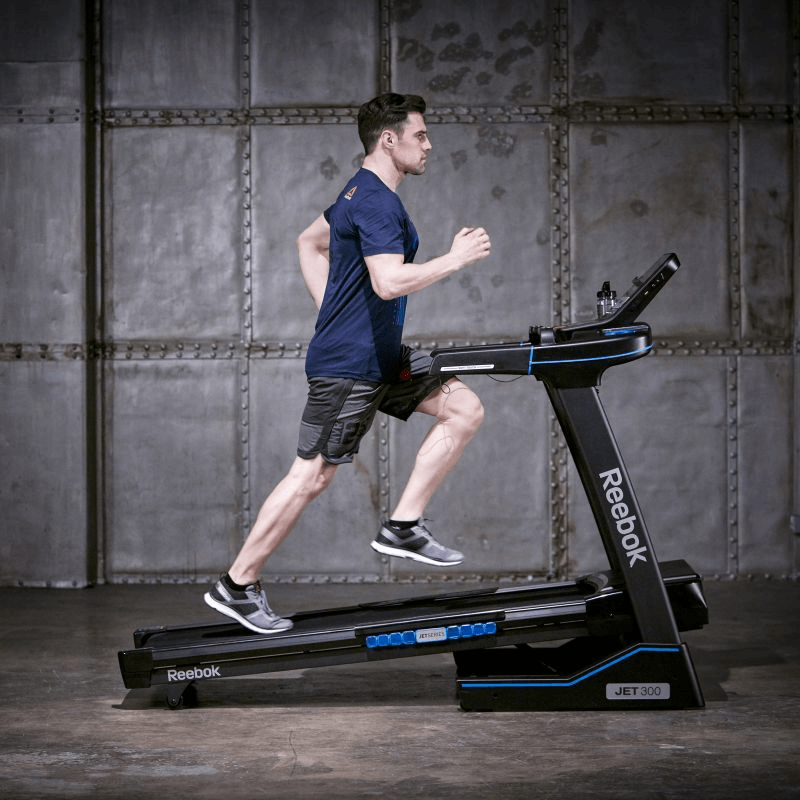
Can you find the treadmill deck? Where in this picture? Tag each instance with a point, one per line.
(595, 605)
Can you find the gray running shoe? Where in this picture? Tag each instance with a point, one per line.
(419, 545)
(250, 607)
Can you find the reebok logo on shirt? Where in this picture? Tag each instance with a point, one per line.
(349, 195)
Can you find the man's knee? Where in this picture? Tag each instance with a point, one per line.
(466, 407)
(312, 476)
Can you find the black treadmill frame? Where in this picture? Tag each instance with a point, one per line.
(619, 626)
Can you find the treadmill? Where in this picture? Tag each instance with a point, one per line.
(608, 640)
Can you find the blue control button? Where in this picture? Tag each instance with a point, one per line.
(453, 632)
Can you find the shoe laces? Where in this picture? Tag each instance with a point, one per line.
(262, 599)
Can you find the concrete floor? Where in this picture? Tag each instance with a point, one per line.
(69, 729)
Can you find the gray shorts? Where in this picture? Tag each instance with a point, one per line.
(340, 411)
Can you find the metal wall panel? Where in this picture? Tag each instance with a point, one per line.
(629, 51)
(175, 54)
(494, 176)
(173, 506)
(41, 30)
(767, 196)
(39, 90)
(638, 191)
(765, 60)
(764, 543)
(41, 57)
(43, 255)
(604, 193)
(298, 171)
(175, 227)
(478, 53)
(43, 491)
(308, 53)
(179, 165)
(45, 532)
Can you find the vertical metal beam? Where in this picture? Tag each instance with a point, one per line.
(732, 443)
(560, 279)
(735, 215)
(385, 500)
(734, 176)
(246, 330)
(385, 60)
(94, 326)
(795, 23)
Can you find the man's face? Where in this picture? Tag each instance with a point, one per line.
(412, 146)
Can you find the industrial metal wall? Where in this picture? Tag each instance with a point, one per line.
(159, 158)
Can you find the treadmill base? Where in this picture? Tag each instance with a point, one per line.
(583, 674)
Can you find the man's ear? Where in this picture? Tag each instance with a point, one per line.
(388, 137)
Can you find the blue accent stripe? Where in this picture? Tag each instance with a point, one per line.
(567, 684)
(621, 331)
(532, 360)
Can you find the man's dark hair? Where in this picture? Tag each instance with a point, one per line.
(389, 110)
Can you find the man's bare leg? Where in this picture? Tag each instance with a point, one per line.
(459, 414)
(238, 594)
(306, 479)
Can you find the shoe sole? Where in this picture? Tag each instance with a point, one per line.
(229, 612)
(387, 550)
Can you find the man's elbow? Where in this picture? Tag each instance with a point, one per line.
(386, 290)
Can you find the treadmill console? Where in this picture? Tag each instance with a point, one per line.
(570, 354)
(642, 291)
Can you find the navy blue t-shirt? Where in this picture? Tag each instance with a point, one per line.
(358, 335)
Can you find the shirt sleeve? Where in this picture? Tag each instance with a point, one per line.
(380, 226)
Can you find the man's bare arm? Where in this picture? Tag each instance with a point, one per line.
(312, 249)
(391, 277)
